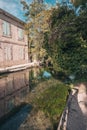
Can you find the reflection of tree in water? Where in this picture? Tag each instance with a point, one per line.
(35, 73)
(31, 78)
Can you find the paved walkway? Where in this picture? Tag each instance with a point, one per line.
(74, 116)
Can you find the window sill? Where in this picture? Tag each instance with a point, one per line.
(7, 36)
(21, 39)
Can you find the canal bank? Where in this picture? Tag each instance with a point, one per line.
(18, 67)
(74, 116)
(47, 97)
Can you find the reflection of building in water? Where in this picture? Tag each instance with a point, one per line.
(13, 88)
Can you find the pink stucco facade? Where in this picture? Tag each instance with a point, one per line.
(13, 51)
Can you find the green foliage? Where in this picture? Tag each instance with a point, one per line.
(78, 2)
(59, 14)
(52, 100)
(31, 10)
(67, 42)
(37, 16)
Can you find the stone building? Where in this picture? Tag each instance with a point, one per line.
(13, 41)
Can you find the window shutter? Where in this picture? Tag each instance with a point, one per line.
(4, 27)
(8, 29)
(20, 34)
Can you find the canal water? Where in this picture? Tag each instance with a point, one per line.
(13, 89)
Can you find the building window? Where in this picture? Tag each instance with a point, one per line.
(6, 29)
(22, 53)
(8, 53)
(20, 34)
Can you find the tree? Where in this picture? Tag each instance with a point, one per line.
(66, 43)
(37, 16)
(78, 2)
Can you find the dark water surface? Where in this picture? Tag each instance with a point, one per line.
(13, 89)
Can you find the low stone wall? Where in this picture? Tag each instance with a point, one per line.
(18, 67)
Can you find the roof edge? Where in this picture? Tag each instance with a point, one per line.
(11, 16)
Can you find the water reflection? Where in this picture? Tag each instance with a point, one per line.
(13, 88)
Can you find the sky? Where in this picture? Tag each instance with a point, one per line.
(15, 8)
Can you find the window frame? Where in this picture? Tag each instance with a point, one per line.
(20, 34)
(5, 31)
